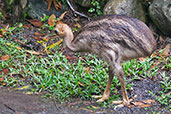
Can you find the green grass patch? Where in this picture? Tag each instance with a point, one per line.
(56, 76)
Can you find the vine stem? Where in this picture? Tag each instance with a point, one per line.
(76, 12)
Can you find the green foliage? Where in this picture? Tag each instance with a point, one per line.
(1, 15)
(139, 69)
(44, 18)
(96, 7)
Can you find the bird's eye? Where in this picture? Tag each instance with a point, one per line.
(56, 31)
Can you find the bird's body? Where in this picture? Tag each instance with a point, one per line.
(113, 37)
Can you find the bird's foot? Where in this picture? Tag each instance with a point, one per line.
(124, 102)
(100, 97)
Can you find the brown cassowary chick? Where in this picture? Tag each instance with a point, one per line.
(114, 38)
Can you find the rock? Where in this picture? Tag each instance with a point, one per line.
(87, 3)
(36, 8)
(160, 13)
(84, 3)
(14, 10)
(132, 8)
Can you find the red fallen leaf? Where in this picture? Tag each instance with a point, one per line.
(70, 58)
(5, 57)
(77, 25)
(38, 34)
(36, 23)
(45, 39)
(81, 84)
(141, 59)
(52, 20)
(27, 26)
(1, 79)
(87, 69)
(5, 71)
(36, 38)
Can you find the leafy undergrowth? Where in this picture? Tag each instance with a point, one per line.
(81, 75)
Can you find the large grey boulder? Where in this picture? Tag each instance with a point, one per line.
(160, 13)
(132, 8)
(36, 8)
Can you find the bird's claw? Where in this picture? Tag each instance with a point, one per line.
(102, 98)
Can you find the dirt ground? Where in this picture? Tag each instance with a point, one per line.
(15, 102)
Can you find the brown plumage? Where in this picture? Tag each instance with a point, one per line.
(115, 38)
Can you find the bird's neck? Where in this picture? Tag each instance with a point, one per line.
(68, 39)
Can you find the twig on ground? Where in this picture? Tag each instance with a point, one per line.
(76, 12)
(9, 108)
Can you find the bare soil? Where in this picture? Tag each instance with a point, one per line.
(15, 102)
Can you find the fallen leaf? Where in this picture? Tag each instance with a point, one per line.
(154, 55)
(33, 52)
(3, 31)
(49, 4)
(141, 59)
(148, 101)
(143, 103)
(53, 45)
(5, 71)
(87, 69)
(38, 34)
(60, 5)
(36, 38)
(1, 79)
(161, 39)
(21, 88)
(55, 4)
(45, 39)
(70, 58)
(62, 15)
(19, 48)
(81, 84)
(36, 23)
(77, 25)
(1, 35)
(86, 109)
(5, 57)
(52, 20)
(166, 51)
(29, 93)
(27, 26)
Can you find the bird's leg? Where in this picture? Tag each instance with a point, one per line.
(126, 101)
(107, 89)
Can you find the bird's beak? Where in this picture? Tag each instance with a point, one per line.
(54, 32)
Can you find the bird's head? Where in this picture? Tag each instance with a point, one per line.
(60, 29)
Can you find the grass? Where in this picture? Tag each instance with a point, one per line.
(57, 76)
